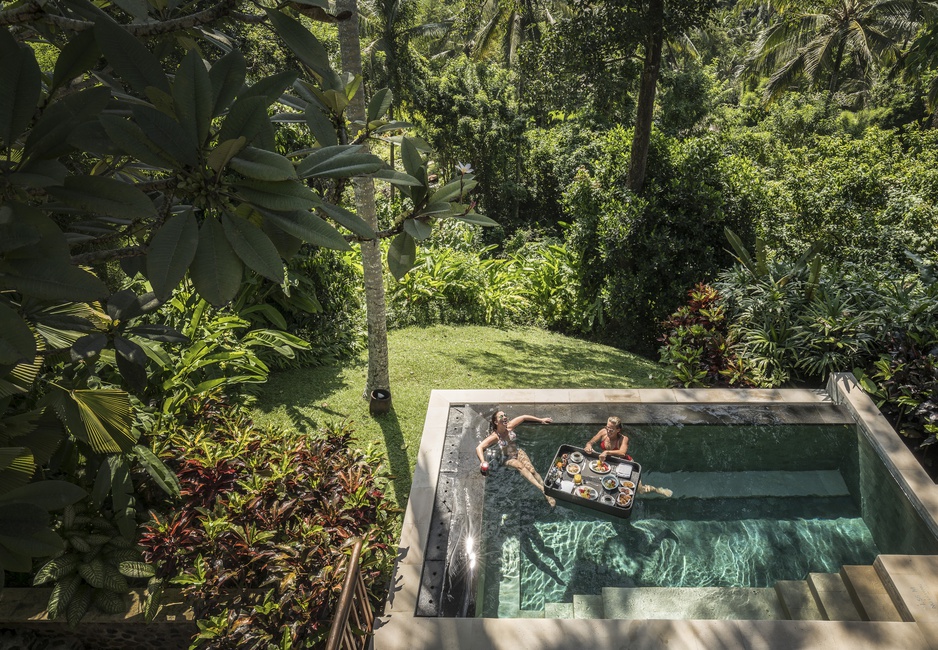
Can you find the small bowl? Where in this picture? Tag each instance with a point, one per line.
(576, 457)
(607, 500)
(626, 490)
(610, 482)
(573, 468)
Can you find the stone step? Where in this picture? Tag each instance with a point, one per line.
(910, 580)
(588, 606)
(530, 613)
(724, 485)
(869, 594)
(832, 597)
(692, 603)
(797, 600)
(558, 610)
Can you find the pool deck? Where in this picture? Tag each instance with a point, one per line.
(912, 580)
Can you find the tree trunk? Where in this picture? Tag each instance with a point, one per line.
(372, 267)
(641, 139)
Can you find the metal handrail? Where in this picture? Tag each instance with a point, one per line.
(353, 604)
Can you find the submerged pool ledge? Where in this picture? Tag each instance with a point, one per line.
(399, 628)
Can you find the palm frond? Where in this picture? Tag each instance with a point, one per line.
(107, 418)
(783, 78)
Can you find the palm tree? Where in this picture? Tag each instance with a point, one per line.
(816, 42)
(508, 23)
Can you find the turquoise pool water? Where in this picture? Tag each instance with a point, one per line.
(752, 505)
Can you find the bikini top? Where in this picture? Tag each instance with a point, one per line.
(605, 440)
(502, 442)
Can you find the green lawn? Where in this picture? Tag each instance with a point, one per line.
(443, 357)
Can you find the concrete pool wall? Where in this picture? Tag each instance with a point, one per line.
(912, 581)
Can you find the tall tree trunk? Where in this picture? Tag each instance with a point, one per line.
(654, 41)
(372, 267)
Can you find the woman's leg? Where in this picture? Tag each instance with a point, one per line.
(527, 471)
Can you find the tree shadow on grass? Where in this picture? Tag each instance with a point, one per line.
(543, 363)
(397, 454)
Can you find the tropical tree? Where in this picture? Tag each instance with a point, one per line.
(817, 42)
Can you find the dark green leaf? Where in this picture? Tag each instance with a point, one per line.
(88, 346)
(51, 243)
(21, 520)
(39, 279)
(262, 165)
(287, 245)
(307, 227)
(192, 97)
(436, 208)
(171, 252)
(402, 254)
(163, 475)
(379, 104)
(322, 127)
(21, 83)
(216, 270)
(348, 219)
(417, 228)
(248, 117)
(400, 179)
(253, 247)
(272, 87)
(167, 134)
(157, 332)
(49, 136)
(338, 162)
(131, 139)
(225, 151)
(132, 363)
(78, 56)
(130, 59)
(48, 494)
(304, 45)
(278, 195)
(227, 77)
(17, 342)
(478, 220)
(104, 196)
(39, 173)
(455, 190)
(413, 162)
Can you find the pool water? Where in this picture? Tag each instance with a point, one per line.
(752, 505)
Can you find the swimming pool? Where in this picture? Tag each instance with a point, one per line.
(752, 504)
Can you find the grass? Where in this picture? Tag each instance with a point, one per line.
(443, 357)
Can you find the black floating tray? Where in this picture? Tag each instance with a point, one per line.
(593, 480)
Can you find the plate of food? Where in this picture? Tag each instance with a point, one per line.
(576, 457)
(600, 467)
(624, 500)
(610, 482)
(586, 492)
(573, 468)
(626, 490)
(628, 484)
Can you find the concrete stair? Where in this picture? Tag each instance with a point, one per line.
(892, 590)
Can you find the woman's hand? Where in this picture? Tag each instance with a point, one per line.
(589, 447)
(602, 456)
(546, 420)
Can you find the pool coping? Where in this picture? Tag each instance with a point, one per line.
(399, 628)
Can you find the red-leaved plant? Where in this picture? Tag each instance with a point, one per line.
(269, 513)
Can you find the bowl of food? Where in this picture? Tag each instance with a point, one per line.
(610, 482)
(576, 457)
(624, 500)
(600, 467)
(628, 484)
(626, 490)
(573, 468)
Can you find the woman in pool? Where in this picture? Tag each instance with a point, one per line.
(502, 431)
(611, 440)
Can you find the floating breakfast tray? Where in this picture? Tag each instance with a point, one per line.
(559, 482)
